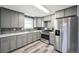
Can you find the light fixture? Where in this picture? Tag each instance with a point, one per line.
(42, 8)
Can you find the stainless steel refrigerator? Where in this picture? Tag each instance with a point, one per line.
(66, 42)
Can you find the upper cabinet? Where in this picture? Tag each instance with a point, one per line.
(34, 22)
(21, 20)
(60, 13)
(11, 19)
(71, 11)
(5, 18)
(47, 18)
(38, 22)
(14, 19)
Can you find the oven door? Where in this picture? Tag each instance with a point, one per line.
(45, 36)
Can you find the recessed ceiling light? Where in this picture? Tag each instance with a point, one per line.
(42, 8)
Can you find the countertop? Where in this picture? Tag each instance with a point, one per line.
(19, 33)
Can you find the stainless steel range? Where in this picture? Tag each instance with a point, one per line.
(45, 36)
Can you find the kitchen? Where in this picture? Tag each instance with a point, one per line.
(28, 29)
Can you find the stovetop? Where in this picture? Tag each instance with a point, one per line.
(46, 32)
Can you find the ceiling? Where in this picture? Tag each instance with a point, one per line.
(33, 11)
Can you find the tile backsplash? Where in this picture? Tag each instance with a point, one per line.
(9, 30)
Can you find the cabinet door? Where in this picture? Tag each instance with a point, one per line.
(35, 22)
(42, 21)
(57, 45)
(21, 20)
(52, 38)
(34, 36)
(39, 22)
(12, 42)
(5, 18)
(29, 37)
(71, 11)
(47, 18)
(23, 36)
(5, 45)
(60, 13)
(14, 19)
(19, 41)
(39, 35)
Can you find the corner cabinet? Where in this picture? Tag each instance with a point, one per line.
(39, 22)
(47, 18)
(11, 19)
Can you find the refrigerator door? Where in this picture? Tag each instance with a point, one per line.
(64, 42)
(72, 34)
(58, 40)
(69, 35)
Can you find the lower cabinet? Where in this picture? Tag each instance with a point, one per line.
(12, 41)
(29, 36)
(52, 38)
(19, 41)
(38, 35)
(34, 36)
(24, 39)
(4, 45)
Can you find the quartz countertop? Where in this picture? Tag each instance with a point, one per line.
(17, 33)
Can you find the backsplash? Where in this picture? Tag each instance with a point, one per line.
(10, 30)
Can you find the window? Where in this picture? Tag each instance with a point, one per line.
(28, 23)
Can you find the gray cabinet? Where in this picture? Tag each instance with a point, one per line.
(19, 41)
(12, 41)
(71, 11)
(24, 39)
(35, 22)
(52, 38)
(14, 19)
(39, 22)
(30, 37)
(4, 45)
(5, 18)
(11, 19)
(21, 20)
(59, 13)
(38, 35)
(34, 36)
